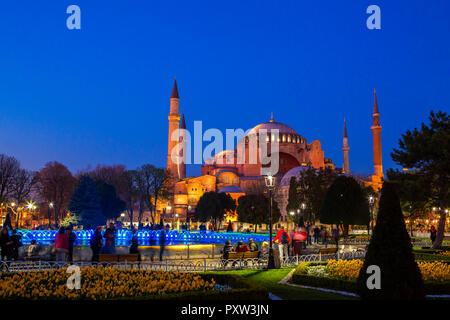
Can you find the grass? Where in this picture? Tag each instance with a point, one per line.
(270, 278)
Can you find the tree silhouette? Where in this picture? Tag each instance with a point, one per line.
(390, 249)
(345, 204)
(428, 151)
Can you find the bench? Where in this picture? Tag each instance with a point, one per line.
(328, 250)
(241, 256)
(132, 257)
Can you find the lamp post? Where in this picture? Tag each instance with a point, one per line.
(50, 206)
(270, 184)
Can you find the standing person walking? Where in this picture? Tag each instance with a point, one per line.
(72, 238)
(432, 234)
(324, 236)
(5, 244)
(110, 236)
(162, 243)
(335, 235)
(309, 231)
(96, 243)
(61, 245)
(316, 232)
(282, 239)
(17, 243)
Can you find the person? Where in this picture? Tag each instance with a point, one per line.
(227, 248)
(5, 244)
(109, 236)
(96, 243)
(335, 235)
(230, 227)
(61, 245)
(432, 234)
(162, 243)
(324, 236)
(241, 247)
(110, 233)
(316, 232)
(17, 243)
(33, 250)
(308, 231)
(283, 239)
(299, 238)
(252, 245)
(265, 248)
(134, 243)
(72, 238)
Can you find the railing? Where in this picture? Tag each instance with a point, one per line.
(198, 265)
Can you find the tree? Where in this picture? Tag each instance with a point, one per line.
(390, 249)
(293, 198)
(310, 189)
(23, 184)
(345, 204)
(9, 168)
(85, 204)
(428, 151)
(128, 192)
(411, 187)
(213, 206)
(254, 209)
(112, 206)
(151, 183)
(56, 185)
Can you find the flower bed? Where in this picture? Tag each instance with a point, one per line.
(112, 283)
(342, 275)
(100, 283)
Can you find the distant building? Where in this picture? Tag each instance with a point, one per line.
(218, 174)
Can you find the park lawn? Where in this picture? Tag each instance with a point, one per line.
(270, 278)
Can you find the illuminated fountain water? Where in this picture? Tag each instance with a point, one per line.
(148, 237)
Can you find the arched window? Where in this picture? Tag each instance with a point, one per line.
(284, 137)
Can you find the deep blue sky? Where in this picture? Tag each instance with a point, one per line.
(100, 95)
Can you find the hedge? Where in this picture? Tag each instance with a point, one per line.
(300, 277)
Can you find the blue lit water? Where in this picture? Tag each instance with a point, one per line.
(150, 237)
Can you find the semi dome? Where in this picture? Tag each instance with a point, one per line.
(294, 172)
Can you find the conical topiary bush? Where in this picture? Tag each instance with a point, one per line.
(390, 249)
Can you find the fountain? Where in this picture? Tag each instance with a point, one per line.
(148, 237)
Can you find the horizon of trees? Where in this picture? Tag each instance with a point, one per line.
(53, 186)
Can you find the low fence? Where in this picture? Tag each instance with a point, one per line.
(197, 265)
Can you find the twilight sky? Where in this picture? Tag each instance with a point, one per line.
(100, 95)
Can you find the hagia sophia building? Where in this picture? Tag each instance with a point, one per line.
(238, 179)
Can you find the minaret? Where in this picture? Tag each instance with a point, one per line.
(345, 148)
(174, 123)
(182, 162)
(376, 133)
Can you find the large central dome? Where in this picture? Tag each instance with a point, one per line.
(271, 125)
(286, 133)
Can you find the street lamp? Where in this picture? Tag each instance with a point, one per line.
(270, 184)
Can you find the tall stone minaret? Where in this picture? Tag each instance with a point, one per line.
(174, 123)
(182, 162)
(376, 133)
(345, 148)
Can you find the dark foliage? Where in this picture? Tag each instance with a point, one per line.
(390, 249)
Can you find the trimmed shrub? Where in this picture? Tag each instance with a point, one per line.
(390, 249)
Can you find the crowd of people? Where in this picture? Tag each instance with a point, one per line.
(286, 243)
